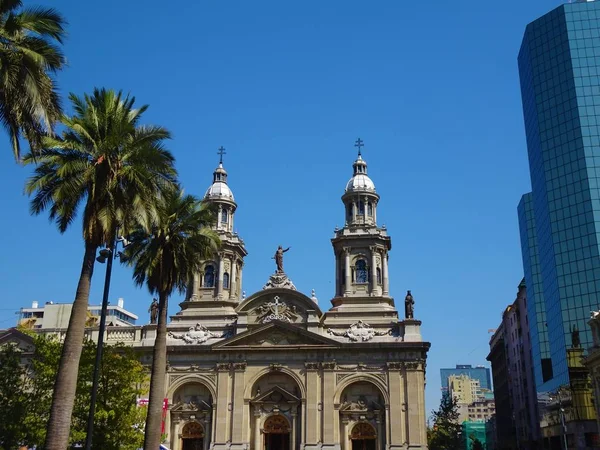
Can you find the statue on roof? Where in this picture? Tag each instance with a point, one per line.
(153, 310)
(575, 339)
(409, 306)
(278, 257)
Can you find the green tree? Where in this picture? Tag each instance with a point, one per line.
(114, 168)
(13, 399)
(118, 420)
(165, 256)
(446, 431)
(30, 55)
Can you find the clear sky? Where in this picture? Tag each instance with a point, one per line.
(431, 87)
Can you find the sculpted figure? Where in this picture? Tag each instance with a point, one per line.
(409, 306)
(153, 310)
(279, 258)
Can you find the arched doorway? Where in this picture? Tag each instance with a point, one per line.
(363, 436)
(277, 433)
(192, 436)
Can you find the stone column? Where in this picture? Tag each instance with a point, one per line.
(415, 409)
(338, 281)
(354, 211)
(374, 213)
(294, 427)
(195, 287)
(312, 428)
(219, 211)
(384, 274)
(330, 415)
(232, 275)
(396, 407)
(257, 437)
(223, 418)
(239, 411)
(348, 274)
(374, 288)
(241, 273)
(221, 272)
(205, 441)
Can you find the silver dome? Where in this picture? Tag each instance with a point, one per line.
(219, 190)
(360, 182)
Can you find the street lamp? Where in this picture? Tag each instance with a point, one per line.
(106, 255)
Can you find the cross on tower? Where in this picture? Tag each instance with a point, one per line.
(221, 152)
(359, 143)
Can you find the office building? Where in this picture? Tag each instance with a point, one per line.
(480, 373)
(559, 68)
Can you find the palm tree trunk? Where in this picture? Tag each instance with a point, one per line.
(63, 397)
(157, 379)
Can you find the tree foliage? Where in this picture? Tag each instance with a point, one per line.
(111, 169)
(476, 444)
(446, 431)
(13, 398)
(30, 55)
(118, 422)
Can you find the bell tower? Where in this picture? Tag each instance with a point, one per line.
(219, 283)
(361, 248)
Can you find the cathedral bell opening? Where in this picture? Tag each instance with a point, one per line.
(363, 437)
(192, 437)
(277, 433)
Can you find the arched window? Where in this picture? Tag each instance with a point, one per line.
(361, 208)
(378, 275)
(362, 274)
(224, 216)
(370, 209)
(209, 276)
(225, 280)
(349, 212)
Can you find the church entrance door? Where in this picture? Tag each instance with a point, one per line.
(192, 437)
(277, 433)
(363, 437)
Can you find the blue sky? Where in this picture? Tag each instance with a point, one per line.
(431, 87)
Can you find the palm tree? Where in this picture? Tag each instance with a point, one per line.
(114, 168)
(29, 57)
(165, 257)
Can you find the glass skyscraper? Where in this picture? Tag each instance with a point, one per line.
(477, 373)
(559, 68)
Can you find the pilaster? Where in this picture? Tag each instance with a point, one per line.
(312, 431)
(240, 410)
(223, 417)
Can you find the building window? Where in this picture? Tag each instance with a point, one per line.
(224, 216)
(370, 209)
(378, 271)
(362, 274)
(209, 277)
(225, 280)
(361, 208)
(349, 212)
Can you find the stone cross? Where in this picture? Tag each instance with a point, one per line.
(276, 304)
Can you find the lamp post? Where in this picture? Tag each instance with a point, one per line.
(106, 255)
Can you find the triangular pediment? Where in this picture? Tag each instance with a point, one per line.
(22, 340)
(277, 335)
(276, 395)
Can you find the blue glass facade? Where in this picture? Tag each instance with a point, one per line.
(559, 68)
(477, 373)
(536, 307)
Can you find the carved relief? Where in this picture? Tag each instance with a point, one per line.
(276, 310)
(360, 331)
(197, 334)
(311, 366)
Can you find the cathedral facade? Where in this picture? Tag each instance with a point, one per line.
(272, 371)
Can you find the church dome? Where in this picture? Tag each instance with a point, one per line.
(360, 181)
(219, 190)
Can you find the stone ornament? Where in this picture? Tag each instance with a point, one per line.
(359, 331)
(276, 310)
(279, 280)
(197, 334)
